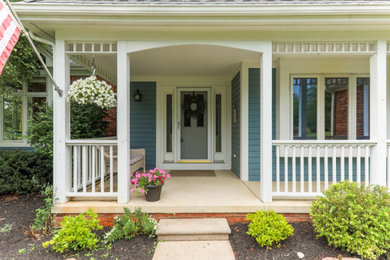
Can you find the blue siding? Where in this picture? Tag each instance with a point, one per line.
(236, 126)
(254, 121)
(143, 120)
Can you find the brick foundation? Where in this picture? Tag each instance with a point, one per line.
(108, 219)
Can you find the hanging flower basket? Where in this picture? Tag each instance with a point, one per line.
(92, 91)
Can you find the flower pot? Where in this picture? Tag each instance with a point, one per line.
(153, 193)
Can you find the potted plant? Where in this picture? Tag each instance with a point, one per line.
(150, 183)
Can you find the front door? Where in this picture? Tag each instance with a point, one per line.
(193, 125)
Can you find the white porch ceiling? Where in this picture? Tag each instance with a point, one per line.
(186, 60)
(189, 60)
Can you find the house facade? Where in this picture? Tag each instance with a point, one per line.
(289, 94)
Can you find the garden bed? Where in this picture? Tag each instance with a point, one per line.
(17, 244)
(304, 241)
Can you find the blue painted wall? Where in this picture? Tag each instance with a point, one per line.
(143, 120)
(254, 121)
(236, 126)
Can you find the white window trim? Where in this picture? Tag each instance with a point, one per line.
(352, 95)
(25, 95)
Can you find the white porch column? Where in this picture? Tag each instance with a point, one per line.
(266, 123)
(123, 122)
(61, 124)
(378, 114)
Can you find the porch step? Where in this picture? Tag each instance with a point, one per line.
(205, 229)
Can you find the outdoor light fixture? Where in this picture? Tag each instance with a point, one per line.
(137, 96)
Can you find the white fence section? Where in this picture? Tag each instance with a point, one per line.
(93, 168)
(307, 168)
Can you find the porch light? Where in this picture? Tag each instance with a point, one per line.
(137, 96)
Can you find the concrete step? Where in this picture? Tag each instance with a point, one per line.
(204, 229)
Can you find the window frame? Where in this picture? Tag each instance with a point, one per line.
(352, 95)
(25, 95)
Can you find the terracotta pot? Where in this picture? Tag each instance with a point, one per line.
(153, 193)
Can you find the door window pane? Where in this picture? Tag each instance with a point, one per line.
(169, 123)
(363, 108)
(218, 123)
(12, 114)
(38, 85)
(34, 105)
(336, 108)
(305, 108)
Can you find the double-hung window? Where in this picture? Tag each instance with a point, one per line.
(17, 106)
(330, 107)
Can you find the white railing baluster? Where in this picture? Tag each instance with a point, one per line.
(85, 168)
(326, 172)
(294, 178)
(285, 168)
(358, 172)
(350, 165)
(367, 155)
(310, 171)
(102, 169)
(301, 177)
(111, 169)
(75, 167)
(342, 160)
(93, 168)
(277, 169)
(318, 170)
(334, 180)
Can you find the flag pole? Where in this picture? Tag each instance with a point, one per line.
(26, 34)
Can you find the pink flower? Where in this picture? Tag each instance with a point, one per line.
(132, 190)
(137, 175)
(134, 181)
(168, 175)
(142, 190)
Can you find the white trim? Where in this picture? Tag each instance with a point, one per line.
(123, 122)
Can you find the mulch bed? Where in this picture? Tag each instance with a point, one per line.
(16, 244)
(304, 241)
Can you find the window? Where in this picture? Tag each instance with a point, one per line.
(169, 123)
(218, 123)
(341, 102)
(305, 108)
(336, 108)
(18, 107)
(363, 108)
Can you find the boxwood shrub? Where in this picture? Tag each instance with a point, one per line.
(354, 218)
(24, 171)
(268, 227)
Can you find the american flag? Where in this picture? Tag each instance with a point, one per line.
(9, 34)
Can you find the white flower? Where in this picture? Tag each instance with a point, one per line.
(90, 90)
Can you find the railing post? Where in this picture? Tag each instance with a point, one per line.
(123, 122)
(266, 123)
(61, 124)
(378, 113)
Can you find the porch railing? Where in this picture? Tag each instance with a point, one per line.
(93, 168)
(307, 168)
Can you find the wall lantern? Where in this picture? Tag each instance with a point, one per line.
(137, 96)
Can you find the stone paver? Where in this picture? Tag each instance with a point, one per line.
(194, 250)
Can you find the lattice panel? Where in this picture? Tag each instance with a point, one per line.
(91, 47)
(324, 47)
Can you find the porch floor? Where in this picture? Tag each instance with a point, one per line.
(224, 193)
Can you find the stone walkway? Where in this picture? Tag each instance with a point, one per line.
(193, 239)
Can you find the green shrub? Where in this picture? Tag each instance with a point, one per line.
(268, 227)
(76, 233)
(86, 122)
(354, 218)
(43, 218)
(130, 225)
(23, 172)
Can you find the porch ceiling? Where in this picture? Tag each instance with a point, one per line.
(187, 60)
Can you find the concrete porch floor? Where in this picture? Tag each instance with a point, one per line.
(224, 193)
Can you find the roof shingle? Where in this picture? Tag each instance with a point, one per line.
(210, 2)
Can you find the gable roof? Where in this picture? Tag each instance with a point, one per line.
(210, 2)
